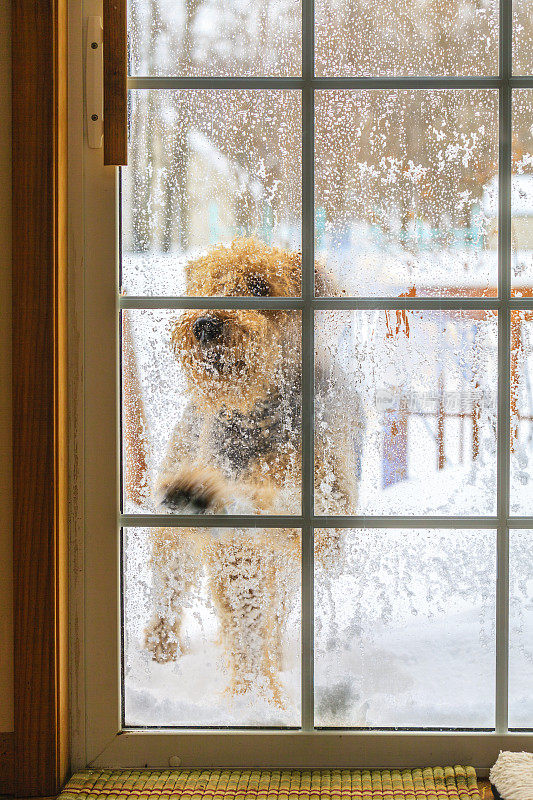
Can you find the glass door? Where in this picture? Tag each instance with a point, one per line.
(320, 548)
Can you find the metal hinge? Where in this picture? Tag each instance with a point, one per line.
(94, 82)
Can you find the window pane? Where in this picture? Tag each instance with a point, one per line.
(211, 627)
(522, 194)
(211, 37)
(208, 167)
(404, 630)
(521, 412)
(380, 37)
(405, 419)
(522, 37)
(521, 629)
(211, 411)
(401, 178)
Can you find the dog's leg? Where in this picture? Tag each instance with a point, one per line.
(242, 584)
(175, 568)
(189, 480)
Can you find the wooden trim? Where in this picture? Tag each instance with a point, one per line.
(115, 83)
(39, 64)
(6, 763)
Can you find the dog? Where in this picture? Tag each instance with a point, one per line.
(237, 449)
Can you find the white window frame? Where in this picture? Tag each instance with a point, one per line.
(98, 736)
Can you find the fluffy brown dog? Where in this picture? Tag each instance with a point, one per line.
(237, 449)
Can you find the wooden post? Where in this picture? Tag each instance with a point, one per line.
(462, 417)
(516, 356)
(135, 473)
(40, 534)
(441, 458)
(394, 460)
(476, 410)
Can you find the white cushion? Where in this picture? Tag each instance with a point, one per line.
(512, 775)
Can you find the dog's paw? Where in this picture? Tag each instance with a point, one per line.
(161, 640)
(193, 491)
(267, 686)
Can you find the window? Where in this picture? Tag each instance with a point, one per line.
(325, 300)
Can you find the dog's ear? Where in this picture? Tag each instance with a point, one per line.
(295, 273)
(326, 285)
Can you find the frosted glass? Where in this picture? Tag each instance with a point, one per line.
(423, 386)
(522, 194)
(380, 37)
(405, 630)
(403, 182)
(211, 621)
(211, 37)
(521, 629)
(211, 412)
(521, 412)
(206, 168)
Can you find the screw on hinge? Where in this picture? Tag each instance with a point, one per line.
(94, 117)
(94, 45)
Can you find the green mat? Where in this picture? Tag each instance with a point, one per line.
(436, 783)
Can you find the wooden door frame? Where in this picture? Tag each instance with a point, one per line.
(39, 233)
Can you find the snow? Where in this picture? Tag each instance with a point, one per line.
(521, 629)
(402, 680)
(369, 273)
(389, 371)
(199, 143)
(426, 674)
(405, 637)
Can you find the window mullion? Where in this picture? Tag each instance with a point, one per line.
(504, 343)
(169, 82)
(307, 674)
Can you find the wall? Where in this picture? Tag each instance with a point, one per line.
(6, 562)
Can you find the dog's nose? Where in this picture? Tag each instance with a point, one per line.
(207, 328)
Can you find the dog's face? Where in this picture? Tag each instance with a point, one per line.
(245, 268)
(233, 358)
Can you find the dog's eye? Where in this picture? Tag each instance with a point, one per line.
(258, 286)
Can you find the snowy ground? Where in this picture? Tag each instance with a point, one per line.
(401, 680)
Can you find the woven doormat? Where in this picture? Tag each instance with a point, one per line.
(436, 783)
